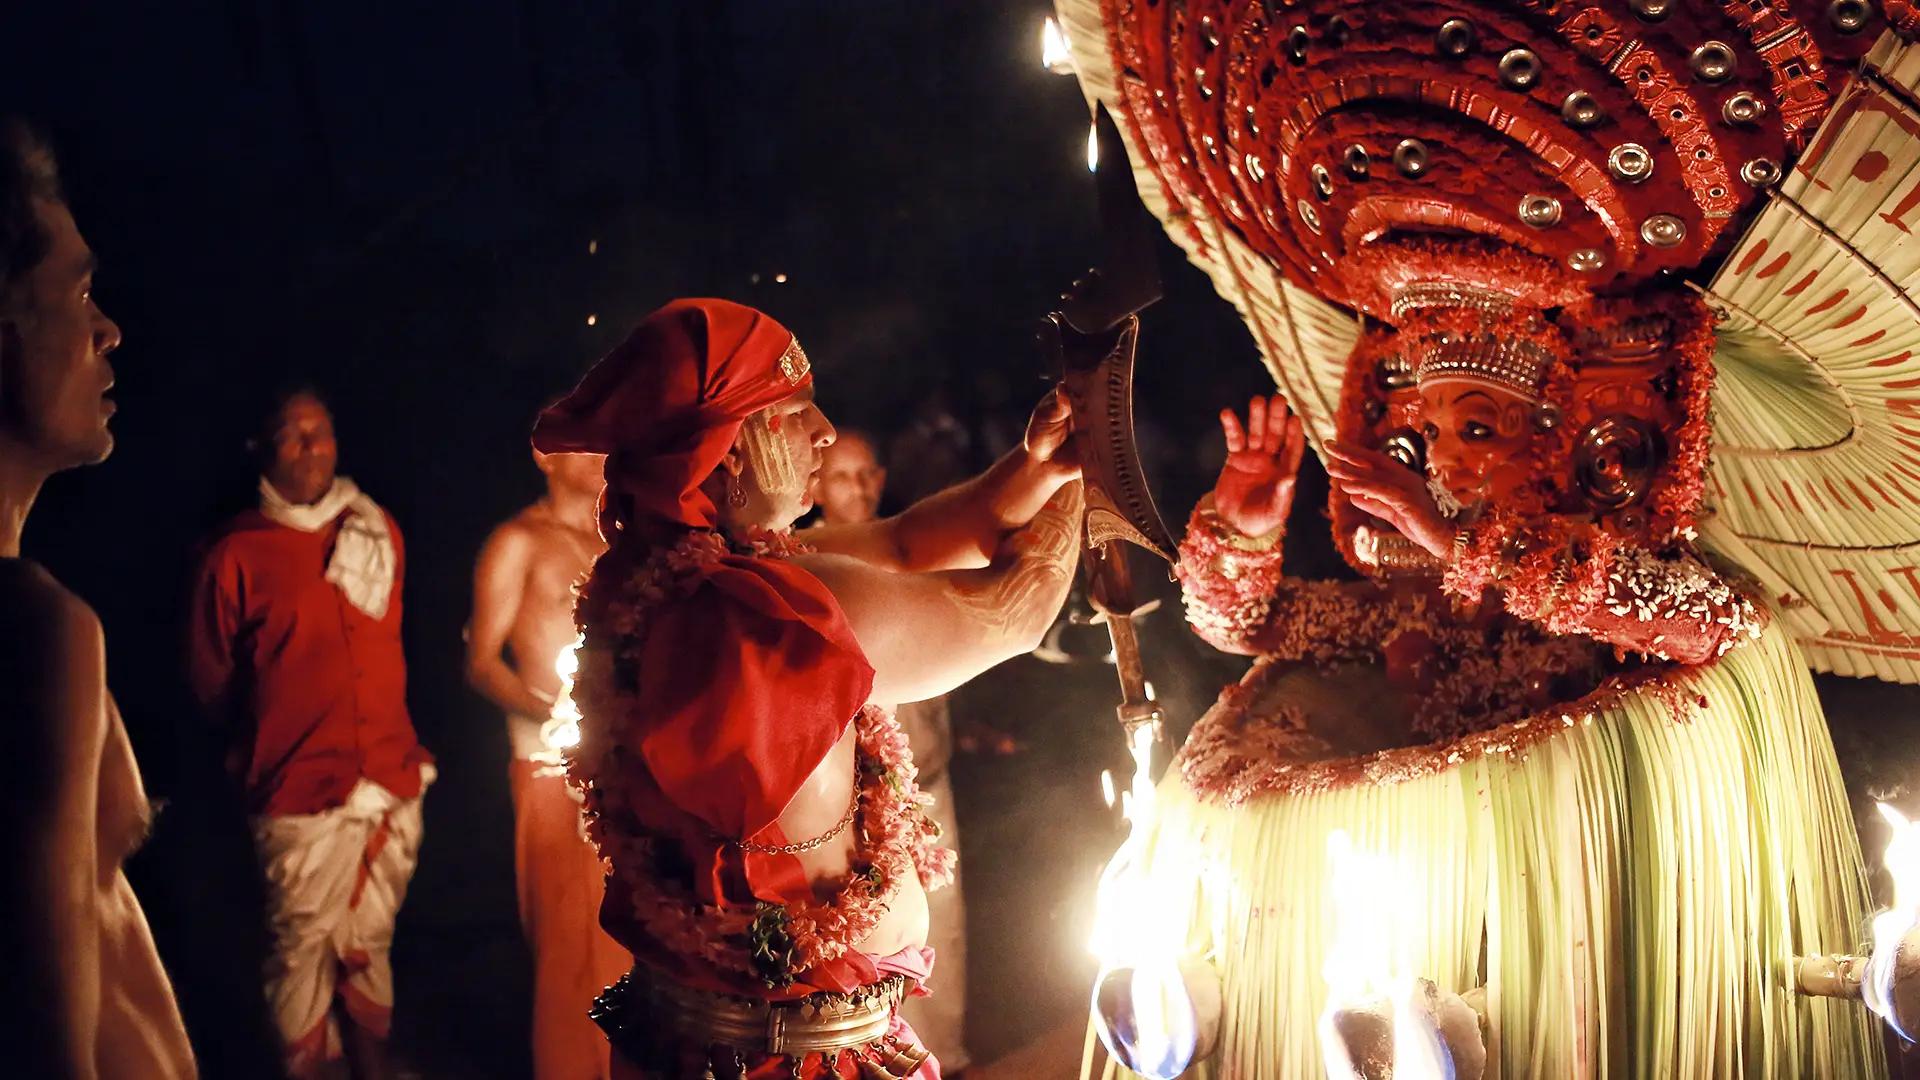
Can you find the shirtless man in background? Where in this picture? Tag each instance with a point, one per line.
(523, 594)
(91, 998)
(523, 597)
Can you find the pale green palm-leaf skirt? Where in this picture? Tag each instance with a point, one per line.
(1629, 883)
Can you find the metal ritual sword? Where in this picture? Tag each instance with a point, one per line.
(1090, 341)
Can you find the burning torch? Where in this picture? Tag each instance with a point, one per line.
(1155, 1009)
(1091, 342)
(560, 732)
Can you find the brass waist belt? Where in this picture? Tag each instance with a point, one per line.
(643, 1007)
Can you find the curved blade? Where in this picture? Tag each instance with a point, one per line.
(1097, 373)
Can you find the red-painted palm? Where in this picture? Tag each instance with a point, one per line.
(1255, 489)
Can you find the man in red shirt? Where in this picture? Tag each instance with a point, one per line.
(295, 651)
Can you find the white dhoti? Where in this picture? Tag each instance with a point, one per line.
(335, 882)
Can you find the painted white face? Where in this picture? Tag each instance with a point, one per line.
(782, 446)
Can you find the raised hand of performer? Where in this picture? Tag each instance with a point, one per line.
(1390, 491)
(962, 527)
(1255, 489)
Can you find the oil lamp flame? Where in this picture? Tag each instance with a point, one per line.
(1359, 960)
(1093, 165)
(561, 732)
(1143, 1001)
(1377, 1023)
(1054, 54)
(1418, 1048)
(1147, 1019)
(1123, 899)
(1891, 927)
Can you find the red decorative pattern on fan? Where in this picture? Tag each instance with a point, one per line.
(1611, 136)
(1903, 16)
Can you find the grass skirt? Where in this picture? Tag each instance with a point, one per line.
(1630, 881)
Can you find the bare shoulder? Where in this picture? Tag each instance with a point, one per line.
(52, 646)
(513, 538)
(40, 614)
(838, 572)
(863, 591)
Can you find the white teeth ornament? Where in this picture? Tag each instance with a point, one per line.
(1443, 499)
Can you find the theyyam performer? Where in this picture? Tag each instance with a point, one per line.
(767, 846)
(1601, 316)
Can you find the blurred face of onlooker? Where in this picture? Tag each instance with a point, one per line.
(300, 451)
(850, 483)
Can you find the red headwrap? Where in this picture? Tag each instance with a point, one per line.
(749, 675)
(666, 405)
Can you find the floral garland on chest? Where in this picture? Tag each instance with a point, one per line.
(771, 943)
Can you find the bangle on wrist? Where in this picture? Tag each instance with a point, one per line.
(1234, 538)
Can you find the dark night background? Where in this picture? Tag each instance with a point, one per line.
(397, 200)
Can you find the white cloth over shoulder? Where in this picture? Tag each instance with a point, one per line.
(364, 564)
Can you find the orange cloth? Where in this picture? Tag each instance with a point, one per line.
(560, 882)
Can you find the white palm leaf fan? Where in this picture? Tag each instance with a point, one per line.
(1815, 481)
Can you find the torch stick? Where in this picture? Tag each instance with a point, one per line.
(1090, 343)
(1110, 589)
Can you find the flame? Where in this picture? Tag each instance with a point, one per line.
(1418, 1050)
(1093, 162)
(1147, 1019)
(1367, 902)
(561, 732)
(1119, 905)
(1890, 927)
(1359, 960)
(1055, 56)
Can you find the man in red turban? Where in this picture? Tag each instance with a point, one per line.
(744, 777)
